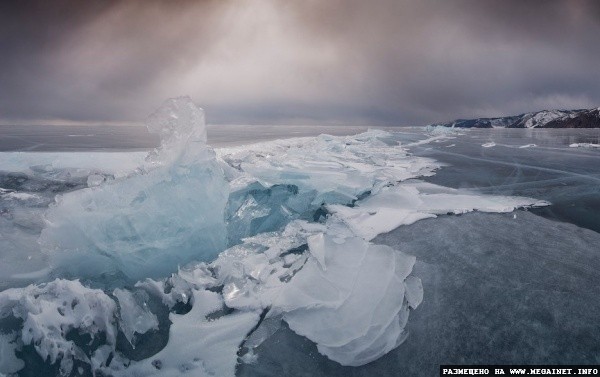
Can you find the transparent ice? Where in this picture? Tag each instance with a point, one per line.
(169, 212)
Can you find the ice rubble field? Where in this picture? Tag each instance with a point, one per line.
(272, 232)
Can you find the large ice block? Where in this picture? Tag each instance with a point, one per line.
(146, 224)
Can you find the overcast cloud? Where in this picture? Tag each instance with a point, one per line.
(384, 62)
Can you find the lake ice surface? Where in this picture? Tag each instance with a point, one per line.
(340, 255)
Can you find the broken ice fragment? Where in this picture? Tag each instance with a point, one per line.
(355, 311)
(135, 317)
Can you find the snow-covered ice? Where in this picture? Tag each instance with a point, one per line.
(198, 346)
(50, 312)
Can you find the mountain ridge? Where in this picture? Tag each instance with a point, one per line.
(582, 118)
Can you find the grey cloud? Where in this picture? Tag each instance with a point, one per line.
(268, 61)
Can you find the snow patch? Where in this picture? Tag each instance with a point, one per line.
(584, 145)
(197, 345)
(50, 312)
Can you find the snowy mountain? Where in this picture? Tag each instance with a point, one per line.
(586, 118)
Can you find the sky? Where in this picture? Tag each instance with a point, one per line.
(377, 62)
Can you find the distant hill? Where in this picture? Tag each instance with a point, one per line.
(586, 118)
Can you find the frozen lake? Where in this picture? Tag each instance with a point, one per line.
(515, 288)
(122, 138)
(537, 163)
(501, 282)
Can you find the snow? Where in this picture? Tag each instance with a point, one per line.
(542, 117)
(584, 145)
(49, 312)
(198, 346)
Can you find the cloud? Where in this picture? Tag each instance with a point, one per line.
(267, 61)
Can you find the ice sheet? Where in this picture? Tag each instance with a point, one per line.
(70, 164)
(411, 201)
(350, 301)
